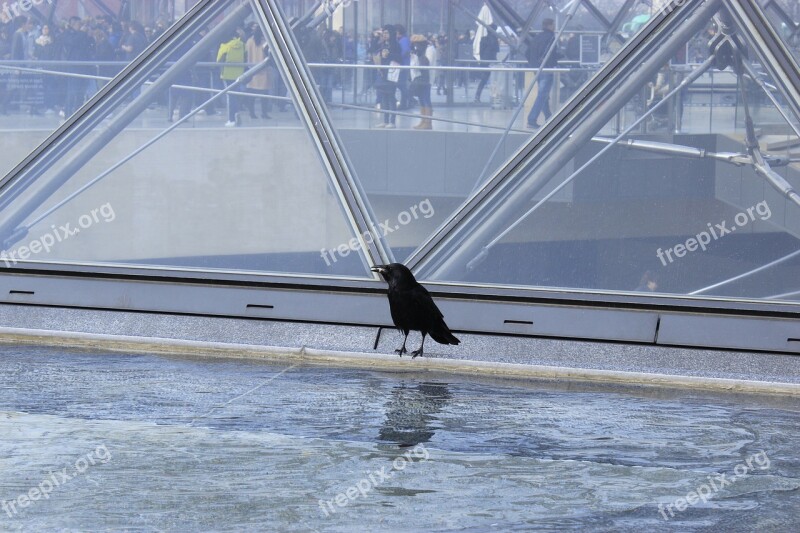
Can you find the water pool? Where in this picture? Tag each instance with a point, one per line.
(139, 442)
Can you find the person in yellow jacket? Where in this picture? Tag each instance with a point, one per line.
(232, 52)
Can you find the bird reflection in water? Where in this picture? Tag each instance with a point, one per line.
(411, 413)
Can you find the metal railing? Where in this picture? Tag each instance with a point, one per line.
(355, 89)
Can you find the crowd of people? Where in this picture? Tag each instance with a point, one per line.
(399, 89)
(68, 43)
(92, 46)
(323, 46)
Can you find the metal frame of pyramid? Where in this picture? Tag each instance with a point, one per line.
(537, 312)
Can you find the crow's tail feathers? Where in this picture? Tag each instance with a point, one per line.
(444, 336)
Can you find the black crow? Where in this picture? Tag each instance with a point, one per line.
(412, 308)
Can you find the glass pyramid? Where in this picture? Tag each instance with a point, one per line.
(675, 118)
(175, 188)
(477, 124)
(683, 185)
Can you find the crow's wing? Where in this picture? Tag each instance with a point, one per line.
(426, 311)
(413, 308)
(431, 319)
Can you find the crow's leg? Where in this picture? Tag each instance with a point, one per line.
(402, 349)
(419, 352)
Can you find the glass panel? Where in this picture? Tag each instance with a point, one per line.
(611, 8)
(183, 185)
(408, 161)
(785, 17)
(468, 142)
(679, 205)
(54, 56)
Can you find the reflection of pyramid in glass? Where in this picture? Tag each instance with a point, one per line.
(201, 196)
(688, 201)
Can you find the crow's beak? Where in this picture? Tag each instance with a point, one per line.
(381, 269)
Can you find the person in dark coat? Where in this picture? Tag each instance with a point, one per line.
(489, 49)
(538, 57)
(19, 43)
(386, 87)
(134, 42)
(77, 47)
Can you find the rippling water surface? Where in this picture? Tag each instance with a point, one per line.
(151, 443)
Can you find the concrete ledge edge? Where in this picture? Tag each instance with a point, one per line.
(380, 361)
